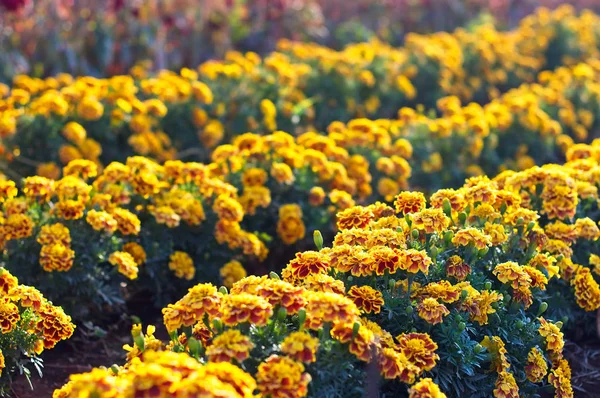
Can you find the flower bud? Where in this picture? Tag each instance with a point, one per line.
(114, 369)
(531, 225)
(543, 308)
(488, 285)
(391, 284)
(139, 342)
(223, 290)
(462, 217)
(355, 329)
(447, 207)
(448, 237)
(415, 234)
(281, 314)
(478, 348)
(409, 310)
(434, 252)
(273, 275)
(520, 221)
(318, 239)
(301, 316)
(519, 324)
(463, 294)
(194, 346)
(217, 325)
(483, 251)
(462, 326)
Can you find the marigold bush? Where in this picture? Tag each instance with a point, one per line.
(29, 325)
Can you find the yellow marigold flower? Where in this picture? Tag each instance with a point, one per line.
(587, 291)
(8, 190)
(96, 382)
(553, 336)
(432, 311)
(280, 377)
(506, 386)
(239, 308)
(212, 133)
(232, 272)
(496, 232)
(254, 177)
(202, 92)
(455, 197)
(457, 268)
(81, 168)
(341, 199)
(442, 290)
(90, 108)
(316, 196)
(425, 388)
(385, 258)
(166, 215)
(7, 281)
(587, 229)
(366, 298)
(466, 236)
(323, 283)
(498, 352)
(254, 197)
(101, 221)
(388, 188)
(125, 264)
(409, 202)
(74, 132)
(231, 344)
(284, 294)
(228, 209)
(9, 315)
(116, 172)
(419, 349)
(560, 378)
(2, 363)
(137, 252)
(430, 220)
(282, 173)
(512, 273)
(413, 261)
(127, 222)
(301, 347)
(70, 209)
(547, 262)
(38, 187)
(536, 368)
(48, 170)
(54, 325)
(182, 265)
(354, 217)
(290, 226)
(324, 307)
(18, 226)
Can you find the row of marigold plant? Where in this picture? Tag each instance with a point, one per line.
(301, 87)
(157, 213)
(462, 293)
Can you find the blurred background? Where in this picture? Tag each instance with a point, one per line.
(103, 38)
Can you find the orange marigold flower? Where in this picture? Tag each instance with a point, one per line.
(385, 259)
(38, 187)
(430, 220)
(231, 344)
(324, 307)
(553, 336)
(506, 386)
(354, 217)
(101, 221)
(56, 257)
(282, 377)
(323, 283)
(362, 345)
(587, 291)
(18, 226)
(182, 265)
(419, 349)
(366, 298)
(316, 196)
(70, 209)
(54, 325)
(228, 209)
(137, 252)
(239, 308)
(7, 282)
(413, 261)
(512, 273)
(455, 198)
(409, 202)
(432, 311)
(283, 294)
(81, 168)
(125, 264)
(457, 268)
(466, 236)
(393, 364)
(290, 226)
(282, 173)
(425, 388)
(54, 233)
(308, 263)
(301, 347)
(9, 315)
(232, 272)
(8, 190)
(560, 378)
(127, 222)
(536, 368)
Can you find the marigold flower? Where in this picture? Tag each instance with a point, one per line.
(54, 325)
(457, 268)
(231, 344)
(425, 388)
(101, 221)
(38, 187)
(323, 283)
(127, 222)
(308, 263)
(430, 220)
(553, 336)
(8, 190)
(239, 308)
(70, 209)
(7, 282)
(18, 226)
(9, 315)
(506, 386)
(366, 298)
(81, 168)
(560, 378)
(282, 377)
(56, 257)
(283, 294)
(290, 226)
(301, 347)
(419, 349)
(409, 202)
(125, 264)
(512, 273)
(54, 233)
(324, 307)
(232, 272)
(354, 217)
(385, 259)
(228, 208)
(466, 236)
(393, 364)
(536, 368)
(587, 291)
(137, 252)
(316, 196)
(413, 261)
(182, 265)
(282, 173)
(432, 311)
